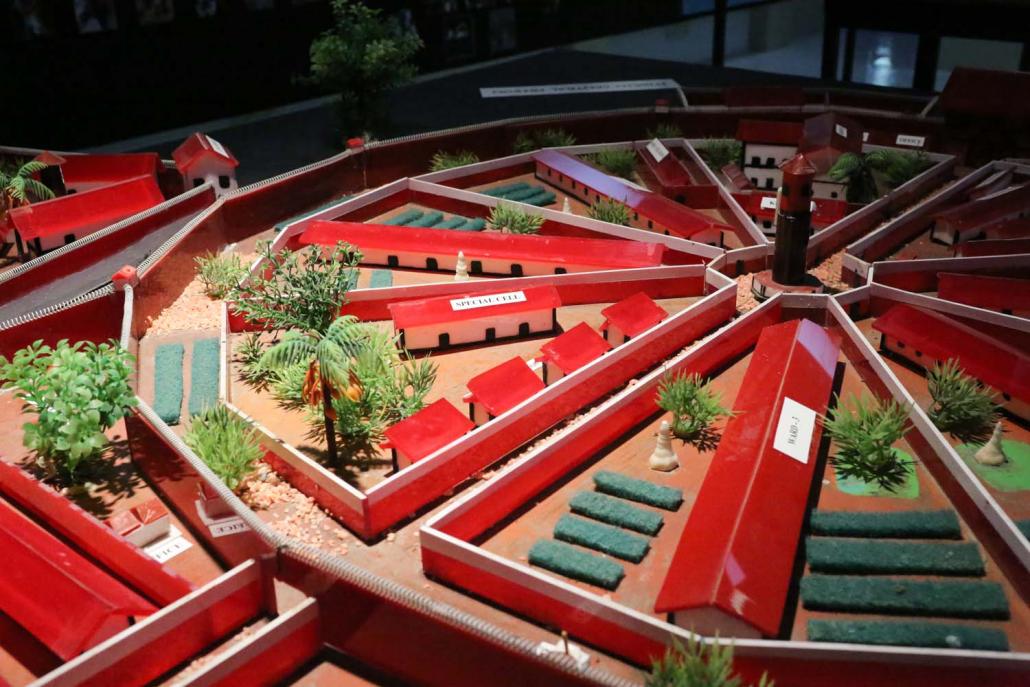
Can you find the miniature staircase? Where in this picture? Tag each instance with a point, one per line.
(899, 564)
(170, 361)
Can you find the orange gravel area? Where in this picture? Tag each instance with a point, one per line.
(192, 309)
(829, 272)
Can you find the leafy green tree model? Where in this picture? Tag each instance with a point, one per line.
(362, 57)
(18, 187)
(865, 436)
(865, 174)
(506, 217)
(219, 273)
(619, 162)
(719, 152)
(611, 211)
(544, 138)
(694, 407)
(304, 299)
(443, 160)
(697, 665)
(961, 405)
(77, 391)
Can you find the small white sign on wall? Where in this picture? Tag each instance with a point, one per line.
(911, 141)
(841, 130)
(168, 547)
(657, 149)
(794, 430)
(768, 203)
(217, 147)
(224, 528)
(471, 302)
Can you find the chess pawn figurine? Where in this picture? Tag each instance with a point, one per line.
(461, 270)
(991, 453)
(565, 207)
(663, 458)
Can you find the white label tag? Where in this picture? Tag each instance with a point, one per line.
(911, 141)
(794, 430)
(485, 301)
(224, 528)
(768, 203)
(168, 547)
(657, 149)
(841, 130)
(217, 147)
(865, 135)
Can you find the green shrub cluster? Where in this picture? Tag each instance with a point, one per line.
(506, 217)
(442, 160)
(544, 138)
(865, 435)
(611, 211)
(665, 130)
(900, 596)
(719, 152)
(694, 406)
(620, 162)
(615, 512)
(698, 665)
(219, 273)
(639, 490)
(869, 556)
(895, 633)
(909, 524)
(571, 562)
(961, 405)
(605, 538)
(226, 442)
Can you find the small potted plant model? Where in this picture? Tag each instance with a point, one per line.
(694, 407)
(865, 434)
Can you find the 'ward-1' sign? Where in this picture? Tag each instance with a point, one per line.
(794, 430)
(470, 302)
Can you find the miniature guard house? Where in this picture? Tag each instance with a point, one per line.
(472, 318)
(202, 159)
(630, 317)
(142, 524)
(570, 351)
(825, 138)
(766, 145)
(425, 432)
(500, 389)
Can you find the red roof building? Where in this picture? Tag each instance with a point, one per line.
(1004, 294)
(825, 138)
(425, 432)
(669, 172)
(737, 178)
(500, 389)
(970, 249)
(766, 145)
(769, 132)
(761, 207)
(1009, 229)
(570, 351)
(201, 159)
(630, 317)
(967, 220)
(90, 171)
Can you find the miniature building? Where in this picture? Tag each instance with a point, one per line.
(970, 219)
(91, 171)
(425, 432)
(925, 337)
(142, 524)
(737, 178)
(824, 139)
(630, 317)
(732, 569)
(969, 249)
(767, 145)
(1018, 228)
(471, 318)
(500, 389)
(52, 177)
(1004, 294)
(650, 211)
(761, 207)
(202, 159)
(485, 252)
(570, 351)
(667, 170)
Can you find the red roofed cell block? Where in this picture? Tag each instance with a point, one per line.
(570, 351)
(732, 569)
(630, 317)
(90, 171)
(1004, 294)
(767, 145)
(474, 317)
(925, 337)
(668, 171)
(142, 524)
(500, 389)
(825, 138)
(425, 432)
(979, 216)
(201, 159)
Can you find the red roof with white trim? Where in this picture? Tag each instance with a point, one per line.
(557, 249)
(460, 307)
(769, 132)
(100, 169)
(670, 171)
(826, 211)
(197, 147)
(633, 315)
(428, 430)
(987, 209)
(504, 386)
(574, 348)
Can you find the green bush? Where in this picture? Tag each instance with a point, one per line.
(611, 211)
(204, 370)
(865, 438)
(545, 138)
(693, 405)
(616, 512)
(719, 152)
(870, 556)
(665, 130)
(226, 442)
(443, 160)
(895, 633)
(619, 162)
(638, 490)
(900, 596)
(910, 524)
(961, 405)
(77, 391)
(248, 354)
(571, 562)
(697, 665)
(219, 273)
(605, 538)
(505, 217)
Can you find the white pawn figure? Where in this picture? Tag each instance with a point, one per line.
(663, 458)
(991, 452)
(565, 207)
(461, 270)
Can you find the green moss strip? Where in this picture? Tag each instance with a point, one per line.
(864, 556)
(615, 512)
(604, 538)
(501, 191)
(931, 524)
(453, 223)
(895, 596)
(639, 490)
(540, 199)
(1024, 527)
(380, 279)
(477, 224)
(524, 193)
(935, 635)
(404, 217)
(427, 220)
(204, 375)
(569, 561)
(168, 382)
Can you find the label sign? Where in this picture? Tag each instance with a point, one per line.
(657, 149)
(224, 528)
(794, 430)
(573, 88)
(841, 130)
(217, 147)
(168, 547)
(911, 141)
(768, 203)
(486, 301)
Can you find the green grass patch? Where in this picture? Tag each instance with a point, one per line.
(430, 219)
(604, 538)
(865, 556)
(912, 524)
(541, 198)
(638, 490)
(895, 596)
(404, 218)
(569, 561)
(1013, 475)
(908, 488)
(933, 635)
(502, 191)
(380, 279)
(523, 193)
(204, 376)
(615, 512)
(168, 382)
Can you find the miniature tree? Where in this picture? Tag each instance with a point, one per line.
(694, 407)
(861, 172)
(865, 436)
(248, 353)
(18, 187)
(719, 152)
(544, 138)
(611, 211)
(219, 273)
(442, 160)
(857, 172)
(665, 130)
(77, 391)
(697, 665)
(362, 57)
(620, 162)
(507, 217)
(226, 442)
(961, 405)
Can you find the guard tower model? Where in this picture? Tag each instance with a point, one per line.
(793, 227)
(202, 159)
